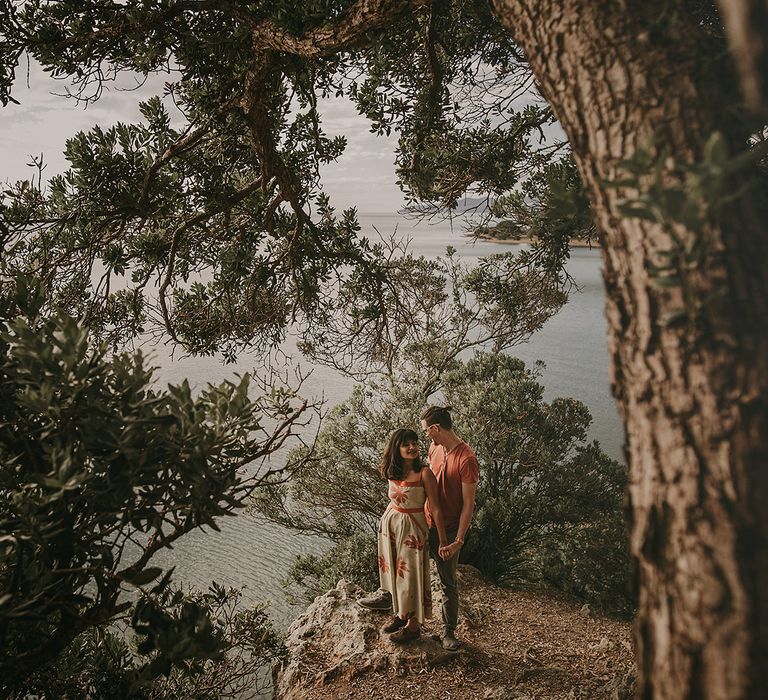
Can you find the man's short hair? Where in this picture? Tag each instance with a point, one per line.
(438, 415)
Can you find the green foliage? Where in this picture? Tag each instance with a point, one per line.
(99, 470)
(591, 562)
(689, 195)
(203, 214)
(188, 208)
(445, 82)
(339, 490)
(98, 663)
(104, 664)
(541, 481)
(551, 209)
(459, 94)
(431, 312)
(207, 224)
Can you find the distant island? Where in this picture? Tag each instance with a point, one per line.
(510, 232)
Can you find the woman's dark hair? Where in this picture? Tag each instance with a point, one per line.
(392, 466)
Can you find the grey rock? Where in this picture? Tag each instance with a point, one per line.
(335, 637)
(503, 693)
(605, 644)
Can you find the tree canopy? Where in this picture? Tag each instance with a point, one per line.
(208, 223)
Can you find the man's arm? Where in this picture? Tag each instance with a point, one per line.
(468, 492)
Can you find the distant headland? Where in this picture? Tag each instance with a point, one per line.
(510, 232)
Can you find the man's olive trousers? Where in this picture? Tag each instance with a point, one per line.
(448, 580)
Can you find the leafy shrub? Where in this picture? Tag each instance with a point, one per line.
(98, 471)
(352, 558)
(105, 663)
(591, 563)
(543, 487)
(98, 664)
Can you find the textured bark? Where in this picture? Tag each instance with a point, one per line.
(692, 396)
(747, 24)
(344, 33)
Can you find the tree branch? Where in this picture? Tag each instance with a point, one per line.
(348, 31)
(746, 22)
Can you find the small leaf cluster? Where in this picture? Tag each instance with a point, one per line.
(551, 209)
(686, 199)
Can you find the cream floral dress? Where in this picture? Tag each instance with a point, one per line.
(404, 550)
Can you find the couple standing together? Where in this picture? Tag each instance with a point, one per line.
(429, 512)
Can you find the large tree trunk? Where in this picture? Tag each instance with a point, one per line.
(693, 393)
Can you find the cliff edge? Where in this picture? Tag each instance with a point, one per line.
(517, 644)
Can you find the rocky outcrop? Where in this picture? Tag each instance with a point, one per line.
(335, 637)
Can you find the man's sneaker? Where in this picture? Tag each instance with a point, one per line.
(450, 643)
(395, 624)
(380, 600)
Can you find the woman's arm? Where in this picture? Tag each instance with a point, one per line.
(430, 485)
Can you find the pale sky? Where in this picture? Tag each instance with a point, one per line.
(363, 176)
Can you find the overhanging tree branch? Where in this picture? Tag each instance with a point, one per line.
(331, 38)
(746, 22)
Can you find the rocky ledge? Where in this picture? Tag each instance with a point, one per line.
(518, 644)
(337, 639)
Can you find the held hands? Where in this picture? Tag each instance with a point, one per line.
(446, 551)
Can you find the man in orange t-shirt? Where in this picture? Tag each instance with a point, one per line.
(455, 465)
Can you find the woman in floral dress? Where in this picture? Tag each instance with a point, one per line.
(404, 535)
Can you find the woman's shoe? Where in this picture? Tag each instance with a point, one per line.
(379, 600)
(394, 624)
(405, 635)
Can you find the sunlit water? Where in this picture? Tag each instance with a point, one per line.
(252, 553)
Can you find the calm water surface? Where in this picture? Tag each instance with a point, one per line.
(256, 554)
